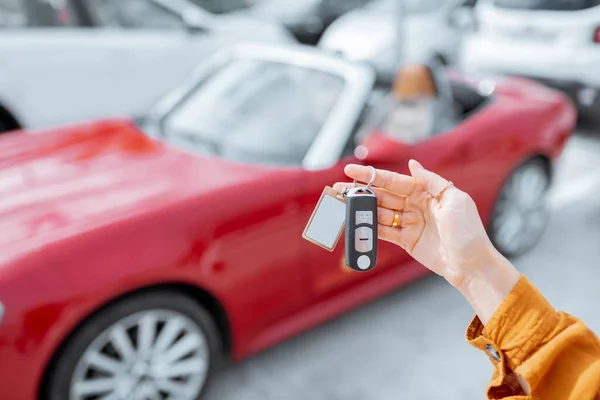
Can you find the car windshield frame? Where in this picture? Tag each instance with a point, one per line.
(331, 139)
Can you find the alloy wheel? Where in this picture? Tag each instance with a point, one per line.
(150, 355)
(521, 212)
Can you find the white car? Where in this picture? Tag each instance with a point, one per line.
(555, 41)
(431, 28)
(51, 76)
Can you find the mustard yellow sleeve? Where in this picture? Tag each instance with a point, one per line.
(556, 354)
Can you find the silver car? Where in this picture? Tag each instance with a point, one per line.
(51, 76)
(432, 30)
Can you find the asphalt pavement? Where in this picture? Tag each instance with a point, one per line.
(410, 344)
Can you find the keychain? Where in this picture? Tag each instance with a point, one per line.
(361, 226)
(355, 209)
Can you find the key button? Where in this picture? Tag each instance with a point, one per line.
(364, 217)
(364, 262)
(363, 239)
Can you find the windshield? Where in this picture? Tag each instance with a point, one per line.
(256, 111)
(410, 6)
(551, 5)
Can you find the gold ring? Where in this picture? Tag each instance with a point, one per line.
(439, 196)
(396, 219)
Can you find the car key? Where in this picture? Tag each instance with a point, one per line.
(361, 228)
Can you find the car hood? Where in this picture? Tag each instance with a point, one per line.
(60, 183)
(353, 35)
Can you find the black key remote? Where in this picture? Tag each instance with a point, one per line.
(361, 229)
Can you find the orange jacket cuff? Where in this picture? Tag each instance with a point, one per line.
(522, 322)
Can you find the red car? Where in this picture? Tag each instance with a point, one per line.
(136, 254)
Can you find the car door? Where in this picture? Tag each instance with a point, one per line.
(457, 154)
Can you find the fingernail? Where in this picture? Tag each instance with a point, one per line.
(415, 163)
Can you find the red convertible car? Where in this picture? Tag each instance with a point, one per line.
(137, 254)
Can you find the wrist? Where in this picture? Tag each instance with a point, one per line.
(489, 284)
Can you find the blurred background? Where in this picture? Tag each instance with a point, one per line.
(56, 53)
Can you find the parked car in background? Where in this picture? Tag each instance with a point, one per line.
(51, 76)
(306, 19)
(179, 14)
(138, 14)
(135, 254)
(432, 31)
(554, 41)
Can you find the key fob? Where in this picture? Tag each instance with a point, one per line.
(361, 229)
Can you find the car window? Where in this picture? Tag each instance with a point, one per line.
(257, 112)
(37, 13)
(222, 6)
(549, 5)
(133, 14)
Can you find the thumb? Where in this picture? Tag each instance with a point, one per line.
(432, 182)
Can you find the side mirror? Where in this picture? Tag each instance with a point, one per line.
(462, 18)
(378, 149)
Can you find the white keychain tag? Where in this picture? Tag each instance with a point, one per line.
(327, 221)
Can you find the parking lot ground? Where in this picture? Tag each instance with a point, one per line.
(410, 344)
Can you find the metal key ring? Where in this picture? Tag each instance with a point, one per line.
(368, 187)
(373, 177)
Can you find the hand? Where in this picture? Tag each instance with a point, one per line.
(440, 227)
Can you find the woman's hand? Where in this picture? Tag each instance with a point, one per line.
(439, 226)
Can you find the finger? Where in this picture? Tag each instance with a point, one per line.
(395, 183)
(385, 217)
(393, 235)
(339, 186)
(432, 182)
(385, 198)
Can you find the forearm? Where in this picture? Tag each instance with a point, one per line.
(487, 286)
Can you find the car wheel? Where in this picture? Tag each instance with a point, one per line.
(521, 214)
(155, 345)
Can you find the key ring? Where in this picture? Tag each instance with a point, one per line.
(368, 187)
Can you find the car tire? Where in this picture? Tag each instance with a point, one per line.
(154, 342)
(4, 127)
(521, 214)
